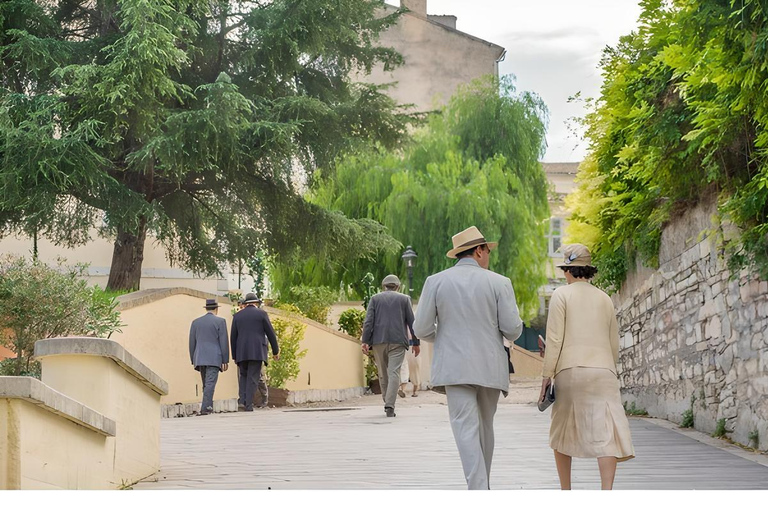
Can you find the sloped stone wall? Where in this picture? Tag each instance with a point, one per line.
(693, 336)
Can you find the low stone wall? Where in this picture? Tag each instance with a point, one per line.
(91, 422)
(694, 338)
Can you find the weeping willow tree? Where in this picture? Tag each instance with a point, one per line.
(476, 163)
(188, 120)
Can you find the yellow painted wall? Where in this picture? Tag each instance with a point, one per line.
(56, 453)
(157, 333)
(101, 384)
(526, 363)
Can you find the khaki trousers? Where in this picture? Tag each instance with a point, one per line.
(471, 410)
(389, 357)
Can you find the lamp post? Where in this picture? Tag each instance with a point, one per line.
(409, 256)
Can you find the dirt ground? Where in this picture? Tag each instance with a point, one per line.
(521, 391)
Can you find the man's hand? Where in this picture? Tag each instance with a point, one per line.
(544, 383)
(276, 357)
(366, 348)
(416, 350)
(224, 367)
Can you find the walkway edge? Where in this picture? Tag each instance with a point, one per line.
(755, 457)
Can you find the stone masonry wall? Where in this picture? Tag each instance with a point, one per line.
(693, 337)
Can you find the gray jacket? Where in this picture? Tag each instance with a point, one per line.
(467, 311)
(389, 319)
(208, 341)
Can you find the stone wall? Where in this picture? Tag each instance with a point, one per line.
(693, 337)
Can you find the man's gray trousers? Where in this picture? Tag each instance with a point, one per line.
(389, 358)
(209, 375)
(471, 410)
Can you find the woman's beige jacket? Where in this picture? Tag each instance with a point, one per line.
(581, 330)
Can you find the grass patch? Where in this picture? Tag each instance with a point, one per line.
(687, 419)
(632, 410)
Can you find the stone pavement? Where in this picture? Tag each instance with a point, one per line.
(358, 448)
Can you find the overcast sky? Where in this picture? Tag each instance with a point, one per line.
(553, 48)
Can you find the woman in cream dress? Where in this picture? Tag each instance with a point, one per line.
(588, 420)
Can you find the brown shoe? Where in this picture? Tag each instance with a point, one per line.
(401, 393)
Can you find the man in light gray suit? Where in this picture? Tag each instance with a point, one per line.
(209, 351)
(467, 311)
(388, 322)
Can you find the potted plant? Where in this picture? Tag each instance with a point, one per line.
(289, 333)
(351, 322)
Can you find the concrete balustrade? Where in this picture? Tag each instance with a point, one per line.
(91, 422)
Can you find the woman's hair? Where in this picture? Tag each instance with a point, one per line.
(581, 272)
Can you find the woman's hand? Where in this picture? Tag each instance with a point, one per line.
(544, 383)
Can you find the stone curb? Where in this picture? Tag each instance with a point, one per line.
(104, 348)
(34, 391)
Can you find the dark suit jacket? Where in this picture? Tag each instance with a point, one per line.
(389, 315)
(208, 341)
(250, 330)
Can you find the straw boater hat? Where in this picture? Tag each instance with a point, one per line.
(467, 239)
(576, 255)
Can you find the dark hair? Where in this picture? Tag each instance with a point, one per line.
(581, 272)
(469, 252)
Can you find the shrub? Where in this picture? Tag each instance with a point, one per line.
(632, 410)
(720, 429)
(371, 372)
(314, 302)
(687, 419)
(754, 438)
(351, 322)
(38, 302)
(289, 332)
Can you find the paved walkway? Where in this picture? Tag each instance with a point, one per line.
(358, 448)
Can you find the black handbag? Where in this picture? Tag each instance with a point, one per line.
(549, 397)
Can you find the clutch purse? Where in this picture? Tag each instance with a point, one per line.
(549, 397)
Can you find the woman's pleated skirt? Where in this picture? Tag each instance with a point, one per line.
(588, 419)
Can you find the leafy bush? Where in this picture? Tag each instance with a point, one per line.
(632, 410)
(720, 430)
(681, 117)
(351, 322)
(38, 302)
(289, 332)
(687, 419)
(371, 372)
(314, 302)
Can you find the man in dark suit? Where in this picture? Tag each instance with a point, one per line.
(251, 329)
(209, 351)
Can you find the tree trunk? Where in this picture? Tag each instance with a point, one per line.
(125, 272)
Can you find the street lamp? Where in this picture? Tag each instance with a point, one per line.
(409, 256)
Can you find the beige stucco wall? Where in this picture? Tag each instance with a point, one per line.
(526, 363)
(50, 452)
(438, 60)
(157, 272)
(157, 332)
(101, 384)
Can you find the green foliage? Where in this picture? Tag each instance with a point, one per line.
(190, 120)
(687, 421)
(476, 163)
(632, 410)
(720, 430)
(351, 322)
(257, 266)
(371, 372)
(289, 332)
(681, 117)
(314, 302)
(754, 438)
(38, 302)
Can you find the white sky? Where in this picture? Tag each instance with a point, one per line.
(553, 48)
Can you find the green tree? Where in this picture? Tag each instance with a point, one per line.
(189, 120)
(39, 302)
(475, 164)
(681, 117)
